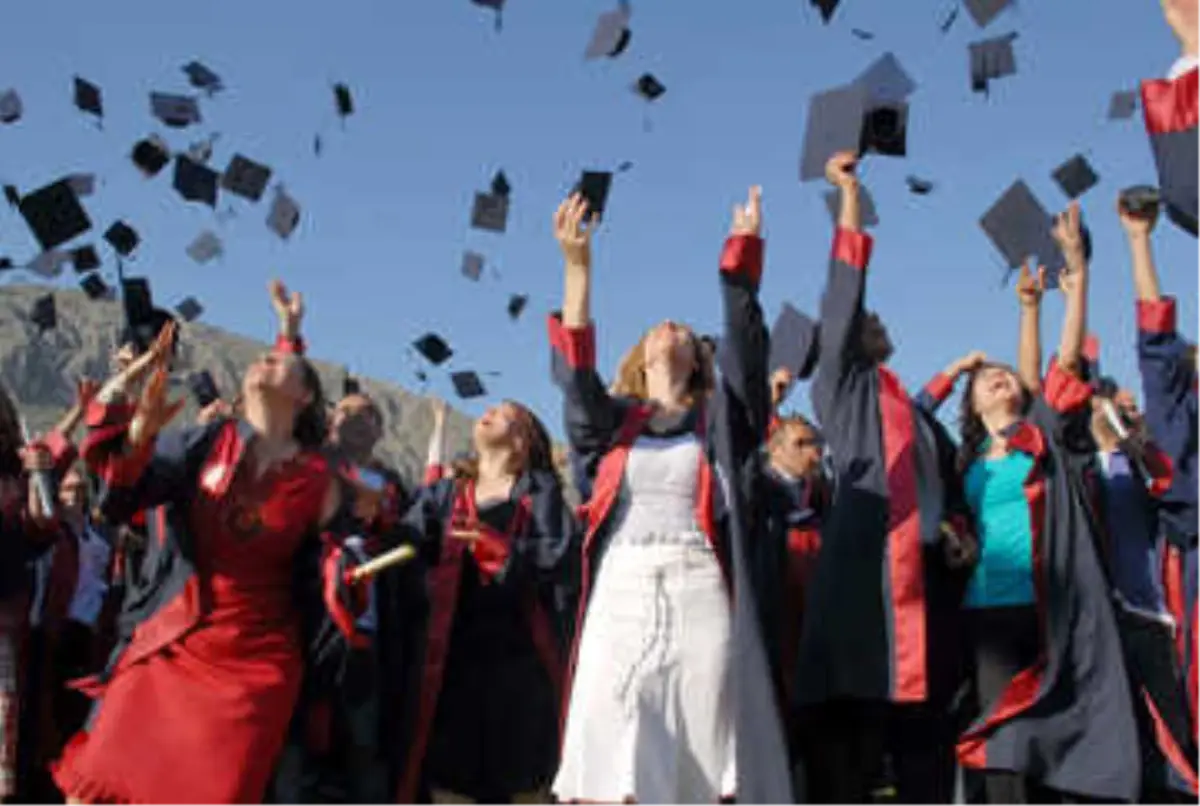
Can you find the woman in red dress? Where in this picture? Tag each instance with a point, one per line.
(195, 702)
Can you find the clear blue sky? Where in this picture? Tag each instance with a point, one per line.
(444, 101)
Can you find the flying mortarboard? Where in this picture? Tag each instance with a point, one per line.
(343, 100)
(203, 78)
(189, 309)
(870, 216)
(827, 8)
(205, 247)
(122, 238)
(866, 36)
(1075, 176)
(1122, 105)
(649, 87)
(284, 216)
(94, 286)
(49, 264)
(834, 123)
(12, 195)
(84, 185)
(467, 385)
(611, 35)
(246, 178)
(886, 81)
(434, 348)
(949, 20)
(795, 339)
(85, 258)
(1140, 200)
(489, 212)
(472, 265)
(991, 59)
(176, 111)
(500, 185)
(150, 155)
(44, 313)
(919, 186)
(594, 187)
(885, 130)
(984, 11)
(11, 107)
(1019, 227)
(87, 97)
(516, 305)
(195, 181)
(55, 214)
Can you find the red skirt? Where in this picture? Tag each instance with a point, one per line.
(201, 722)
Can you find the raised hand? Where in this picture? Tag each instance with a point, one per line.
(573, 231)
(1068, 234)
(968, 363)
(1030, 286)
(217, 410)
(35, 457)
(440, 410)
(840, 171)
(1137, 226)
(153, 411)
(289, 308)
(781, 383)
(747, 218)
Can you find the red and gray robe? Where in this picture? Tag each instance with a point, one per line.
(1170, 107)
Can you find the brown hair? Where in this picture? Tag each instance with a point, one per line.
(973, 434)
(539, 451)
(783, 424)
(631, 372)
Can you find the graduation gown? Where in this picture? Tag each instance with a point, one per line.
(1067, 721)
(602, 429)
(1170, 108)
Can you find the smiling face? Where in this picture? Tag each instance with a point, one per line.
(995, 388)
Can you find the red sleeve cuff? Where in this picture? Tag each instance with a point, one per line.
(1171, 105)
(1161, 470)
(853, 248)
(433, 474)
(940, 387)
(743, 257)
(295, 346)
(576, 345)
(1063, 391)
(1156, 316)
(62, 450)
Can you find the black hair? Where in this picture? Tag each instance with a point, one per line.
(973, 434)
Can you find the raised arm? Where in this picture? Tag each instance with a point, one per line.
(289, 311)
(938, 390)
(1030, 288)
(590, 415)
(1074, 284)
(841, 304)
(435, 460)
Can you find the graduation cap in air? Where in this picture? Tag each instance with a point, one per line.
(918, 186)
(205, 247)
(284, 215)
(984, 11)
(611, 35)
(991, 59)
(834, 124)
(516, 305)
(1019, 227)
(1075, 176)
(467, 385)
(833, 203)
(84, 185)
(489, 212)
(343, 100)
(176, 111)
(795, 339)
(203, 78)
(55, 214)
(886, 81)
(150, 155)
(885, 130)
(827, 8)
(1140, 200)
(122, 237)
(11, 107)
(495, 5)
(49, 264)
(1169, 108)
(1122, 105)
(472, 265)
(246, 178)
(87, 97)
(85, 258)
(12, 195)
(594, 187)
(189, 309)
(434, 348)
(949, 20)
(44, 313)
(195, 181)
(94, 286)
(500, 185)
(859, 33)
(649, 87)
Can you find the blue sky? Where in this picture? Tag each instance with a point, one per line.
(444, 101)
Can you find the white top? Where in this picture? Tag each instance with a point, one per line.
(658, 501)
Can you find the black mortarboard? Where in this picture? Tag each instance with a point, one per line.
(189, 309)
(343, 99)
(434, 348)
(834, 123)
(85, 258)
(866, 36)
(205, 247)
(991, 59)
(94, 286)
(202, 78)
(1019, 227)
(12, 195)
(649, 87)
(919, 186)
(176, 111)
(467, 385)
(489, 212)
(1122, 105)
(516, 305)
(1075, 176)
(984, 11)
(500, 185)
(866, 203)
(44, 313)
(949, 20)
(886, 81)
(827, 7)
(794, 342)
(1140, 200)
(11, 107)
(284, 215)
(87, 97)
(885, 130)
(55, 214)
(611, 35)
(122, 238)
(150, 155)
(594, 187)
(246, 178)
(195, 181)
(472, 265)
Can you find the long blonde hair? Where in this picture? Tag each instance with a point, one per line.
(631, 371)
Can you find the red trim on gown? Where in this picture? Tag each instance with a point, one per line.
(205, 720)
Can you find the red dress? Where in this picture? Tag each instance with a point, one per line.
(205, 720)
